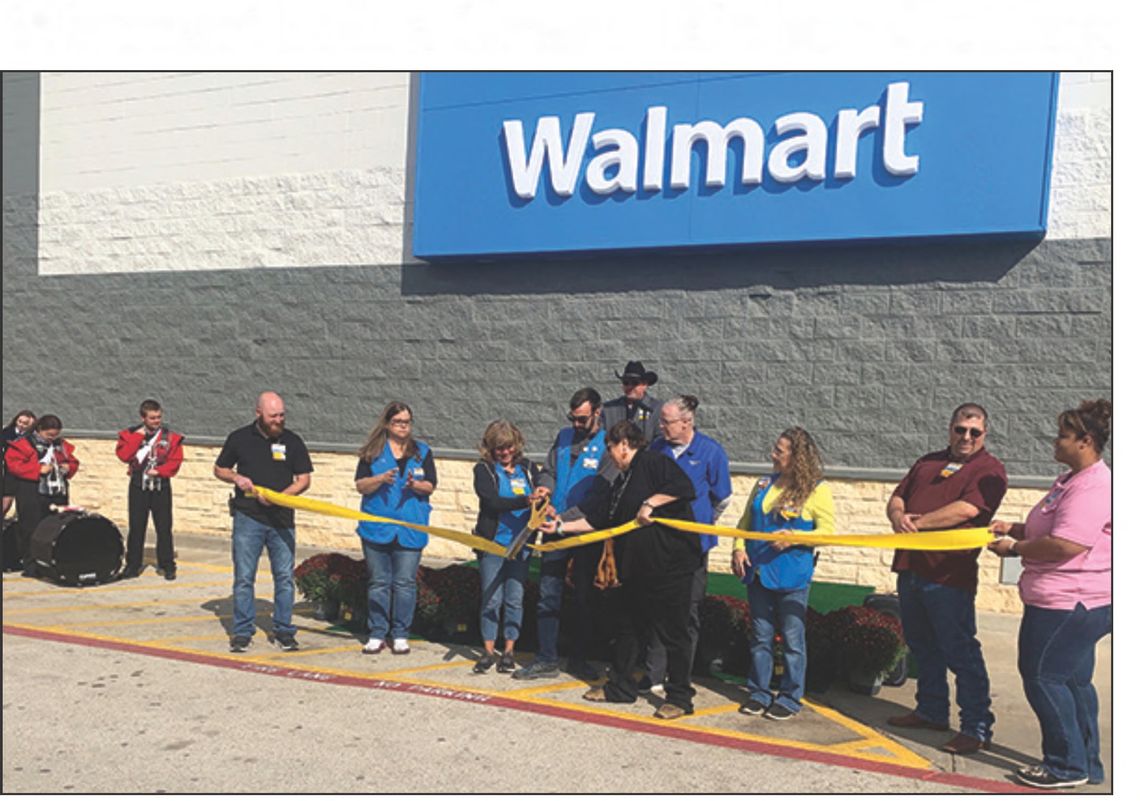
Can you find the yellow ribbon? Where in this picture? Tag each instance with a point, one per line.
(326, 508)
(958, 539)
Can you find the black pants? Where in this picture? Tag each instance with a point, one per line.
(31, 508)
(657, 605)
(655, 651)
(159, 505)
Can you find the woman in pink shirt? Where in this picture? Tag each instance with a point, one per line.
(1066, 585)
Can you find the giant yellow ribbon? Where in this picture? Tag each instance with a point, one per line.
(331, 509)
(950, 540)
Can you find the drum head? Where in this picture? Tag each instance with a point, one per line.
(76, 546)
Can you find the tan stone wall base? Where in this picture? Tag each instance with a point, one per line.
(200, 508)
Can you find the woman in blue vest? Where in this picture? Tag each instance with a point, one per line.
(506, 484)
(778, 575)
(396, 475)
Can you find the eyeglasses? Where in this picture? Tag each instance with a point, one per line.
(665, 422)
(973, 432)
(629, 382)
(399, 422)
(579, 418)
(503, 448)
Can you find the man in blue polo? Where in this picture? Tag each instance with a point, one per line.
(577, 458)
(706, 464)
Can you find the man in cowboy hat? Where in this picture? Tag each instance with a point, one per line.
(635, 404)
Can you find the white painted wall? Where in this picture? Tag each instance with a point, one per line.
(1080, 197)
(171, 171)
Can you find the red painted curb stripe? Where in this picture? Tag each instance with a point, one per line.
(705, 738)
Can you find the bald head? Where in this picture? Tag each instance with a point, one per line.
(271, 413)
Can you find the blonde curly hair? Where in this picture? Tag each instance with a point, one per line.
(806, 470)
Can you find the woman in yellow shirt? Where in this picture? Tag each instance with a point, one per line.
(777, 574)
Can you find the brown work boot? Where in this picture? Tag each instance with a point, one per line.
(963, 744)
(595, 694)
(670, 712)
(911, 720)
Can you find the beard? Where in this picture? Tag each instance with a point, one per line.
(271, 428)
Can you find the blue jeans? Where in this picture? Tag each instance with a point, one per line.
(773, 610)
(502, 585)
(941, 632)
(551, 580)
(391, 588)
(249, 538)
(1056, 653)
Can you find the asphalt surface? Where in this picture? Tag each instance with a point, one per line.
(129, 688)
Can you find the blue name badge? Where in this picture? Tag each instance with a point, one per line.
(514, 163)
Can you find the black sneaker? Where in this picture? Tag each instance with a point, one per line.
(580, 668)
(170, 574)
(537, 670)
(778, 712)
(130, 573)
(286, 642)
(239, 644)
(485, 663)
(1038, 776)
(752, 707)
(507, 663)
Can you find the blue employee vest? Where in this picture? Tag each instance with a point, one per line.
(515, 484)
(574, 480)
(397, 501)
(785, 570)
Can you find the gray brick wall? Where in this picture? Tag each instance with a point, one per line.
(868, 346)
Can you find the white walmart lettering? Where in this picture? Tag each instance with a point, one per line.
(614, 168)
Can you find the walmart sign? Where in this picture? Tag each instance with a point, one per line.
(511, 163)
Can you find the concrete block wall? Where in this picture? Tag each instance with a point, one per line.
(200, 508)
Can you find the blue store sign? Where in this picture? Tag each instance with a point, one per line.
(511, 163)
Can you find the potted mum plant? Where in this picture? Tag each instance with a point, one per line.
(871, 643)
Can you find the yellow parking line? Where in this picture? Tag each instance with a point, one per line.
(715, 710)
(541, 689)
(88, 591)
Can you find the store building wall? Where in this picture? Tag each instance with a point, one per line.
(199, 238)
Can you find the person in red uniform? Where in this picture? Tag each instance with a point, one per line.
(153, 454)
(40, 465)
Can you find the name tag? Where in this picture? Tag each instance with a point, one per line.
(518, 486)
(278, 451)
(418, 473)
(950, 469)
(590, 464)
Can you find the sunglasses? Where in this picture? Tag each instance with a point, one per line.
(629, 382)
(973, 432)
(579, 418)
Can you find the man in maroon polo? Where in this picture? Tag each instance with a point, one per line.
(958, 487)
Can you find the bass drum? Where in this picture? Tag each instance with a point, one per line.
(77, 548)
(11, 546)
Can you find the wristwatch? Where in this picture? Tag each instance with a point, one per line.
(1013, 548)
(647, 503)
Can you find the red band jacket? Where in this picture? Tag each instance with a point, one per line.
(167, 450)
(23, 459)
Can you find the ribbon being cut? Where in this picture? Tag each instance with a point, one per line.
(950, 540)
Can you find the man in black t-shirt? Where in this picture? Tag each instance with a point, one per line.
(655, 565)
(265, 454)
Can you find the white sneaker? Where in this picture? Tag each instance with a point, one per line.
(658, 689)
(400, 646)
(373, 646)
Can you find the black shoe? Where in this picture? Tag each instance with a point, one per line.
(485, 663)
(752, 707)
(29, 571)
(239, 644)
(580, 668)
(537, 670)
(778, 712)
(507, 663)
(286, 642)
(1038, 776)
(645, 686)
(130, 572)
(171, 574)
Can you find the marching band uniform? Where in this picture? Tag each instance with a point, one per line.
(36, 492)
(150, 495)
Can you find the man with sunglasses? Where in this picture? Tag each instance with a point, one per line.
(959, 487)
(576, 460)
(635, 404)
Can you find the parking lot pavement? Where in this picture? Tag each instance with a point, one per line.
(133, 683)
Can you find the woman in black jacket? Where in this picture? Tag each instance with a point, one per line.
(506, 484)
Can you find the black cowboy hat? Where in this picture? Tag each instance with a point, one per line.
(635, 371)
